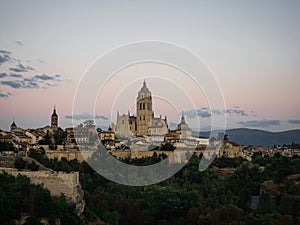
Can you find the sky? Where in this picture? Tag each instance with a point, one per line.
(252, 48)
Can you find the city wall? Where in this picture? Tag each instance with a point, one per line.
(69, 155)
(56, 183)
(81, 156)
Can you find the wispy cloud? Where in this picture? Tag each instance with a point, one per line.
(3, 75)
(46, 77)
(20, 43)
(85, 116)
(260, 123)
(294, 121)
(21, 80)
(21, 68)
(235, 111)
(15, 75)
(5, 56)
(205, 112)
(2, 95)
(17, 81)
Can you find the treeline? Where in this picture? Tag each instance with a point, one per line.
(190, 197)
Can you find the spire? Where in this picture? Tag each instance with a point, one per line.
(54, 111)
(144, 83)
(13, 123)
(182, 118)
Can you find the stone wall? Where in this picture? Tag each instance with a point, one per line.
(69, 155)
(7, 161)
(56, 183)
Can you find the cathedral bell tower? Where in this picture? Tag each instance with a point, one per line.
(54, 119)
(143, 110)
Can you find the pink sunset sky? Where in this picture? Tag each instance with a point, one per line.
(252, 47)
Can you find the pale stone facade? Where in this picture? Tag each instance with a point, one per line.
(144, 123)
(143, 110)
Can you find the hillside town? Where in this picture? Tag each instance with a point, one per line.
(131, 136)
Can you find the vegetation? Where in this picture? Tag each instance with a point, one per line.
(18, 197)
(6, 146)
(167, 147)
(55, 164)
(190, 197)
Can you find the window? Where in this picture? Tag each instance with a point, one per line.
(143, 105)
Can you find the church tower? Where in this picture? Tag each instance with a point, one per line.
(13, 126)
(54, 119)
(143, 110)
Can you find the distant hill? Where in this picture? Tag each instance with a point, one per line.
(246, 136)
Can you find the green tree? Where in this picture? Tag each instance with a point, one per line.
(265, 203)
(33, 166)
(111, 218)
(167, 147)
(20, 163)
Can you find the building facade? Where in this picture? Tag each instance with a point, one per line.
(54, 119)
(144, 112)
(144, 123)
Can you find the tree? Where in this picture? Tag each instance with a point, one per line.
(33, 166)
(20, 163)
(89, 124)
(265, 203)
(111, 218)
(59, 137)
(167, 147)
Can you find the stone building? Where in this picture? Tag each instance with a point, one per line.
(158, 129)
(144, 123)
(144, 112)
(54, 119)
(107, 137)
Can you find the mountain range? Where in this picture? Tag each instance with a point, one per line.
(245, 136)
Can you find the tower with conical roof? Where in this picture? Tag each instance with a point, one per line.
(143, 110)
(13, 126)
(54, 119)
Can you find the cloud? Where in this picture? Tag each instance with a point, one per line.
(12, 84)
(238, 112)
(2, 95)
(260, 123)
(203, 113)
(3, 75)
(44, 77)
(18, 80)
(5, 52)
(21, 68)
(15, 75)
(37, 81)
(85, 116)
(206, 112)
(294, 121)
(5, 56)
(20, 43)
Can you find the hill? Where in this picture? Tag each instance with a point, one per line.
(245, 136)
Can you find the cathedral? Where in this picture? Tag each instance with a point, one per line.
(144, 123)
